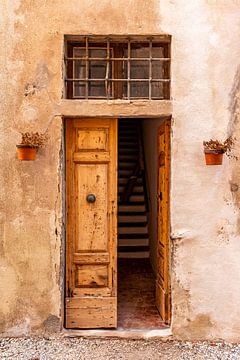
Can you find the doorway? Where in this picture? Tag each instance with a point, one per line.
(138, 148)
(117, 223)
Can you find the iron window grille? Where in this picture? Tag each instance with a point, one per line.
(117, 68)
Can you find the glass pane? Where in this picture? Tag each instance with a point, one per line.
(139, 90)
(140, 51)
(157, 70)
(79, 52)
(97, 53)
(139, 69)
(79, 66)
(97, 69)
(79, 69)
(157, 51)
(97, 88)
(157, 90)
(79, 89)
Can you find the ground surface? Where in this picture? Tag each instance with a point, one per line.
(111, 349)
(136, 296)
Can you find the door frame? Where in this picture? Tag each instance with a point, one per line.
(162, 332)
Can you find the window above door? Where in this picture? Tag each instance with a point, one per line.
(128, 68)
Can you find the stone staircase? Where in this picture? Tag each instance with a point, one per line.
(133, 237)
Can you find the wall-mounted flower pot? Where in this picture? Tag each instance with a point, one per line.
(213, 157)
(26, 152)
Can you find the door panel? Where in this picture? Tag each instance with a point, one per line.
(91, 184)
(163, 295)
(91, 219)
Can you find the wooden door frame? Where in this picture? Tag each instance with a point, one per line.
(63, 252)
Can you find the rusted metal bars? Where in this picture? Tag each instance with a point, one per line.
(107, 84)
(129, 70)
(111, 77)
(87, 69)
(150, 70)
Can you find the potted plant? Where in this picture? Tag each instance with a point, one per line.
(214, 150)
(29, 145)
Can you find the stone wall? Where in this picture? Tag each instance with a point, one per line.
(205, 225)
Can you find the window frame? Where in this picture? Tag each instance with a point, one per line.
(114, 86)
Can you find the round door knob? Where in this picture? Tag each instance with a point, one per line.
(91, 198)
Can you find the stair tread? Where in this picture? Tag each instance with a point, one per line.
(132, 224)
(132, 219)
(133, 255)
(133, 242)
(126, 231)
(132, 208)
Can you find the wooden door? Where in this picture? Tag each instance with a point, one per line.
(91, 200)
(163, 295)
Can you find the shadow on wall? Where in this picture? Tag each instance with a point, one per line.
(234, 130)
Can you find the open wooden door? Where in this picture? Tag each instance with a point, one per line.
(91, 200)
(163, 295)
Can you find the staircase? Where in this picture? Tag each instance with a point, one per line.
(133, 237)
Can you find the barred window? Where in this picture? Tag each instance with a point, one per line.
(117, 68)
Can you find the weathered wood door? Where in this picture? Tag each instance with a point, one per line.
(91, 200)
(163, 295)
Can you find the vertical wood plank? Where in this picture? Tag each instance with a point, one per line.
(163, 294)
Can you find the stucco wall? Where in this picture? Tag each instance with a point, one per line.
(205, 200)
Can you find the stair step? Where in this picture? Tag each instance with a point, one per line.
(127, 143)
(136, 230)
(132, 208)
(136, 189)
(132, 131)
(133, 243)
(127, 165)
(125, 172)
(133, 248)
(133, 236)
(132, 213)
(132, 219)
(123, 181)
(133, 255)
(127, 158)
(123, 139)
(134, 199)
(125, 150)
(135, 224)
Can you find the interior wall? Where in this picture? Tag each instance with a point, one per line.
(150, 141)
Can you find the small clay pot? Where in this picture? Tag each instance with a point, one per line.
(213, 157)
(26, 152)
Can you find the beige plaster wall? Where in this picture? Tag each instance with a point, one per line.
(205, 200)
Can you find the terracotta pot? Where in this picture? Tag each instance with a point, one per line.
(213, 157)
(26, 152)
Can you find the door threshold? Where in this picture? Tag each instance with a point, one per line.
(119, 333)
